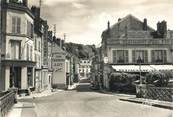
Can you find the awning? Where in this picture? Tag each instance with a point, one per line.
(142, 68)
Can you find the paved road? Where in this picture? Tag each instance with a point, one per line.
(83, 102)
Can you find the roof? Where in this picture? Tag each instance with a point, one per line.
(132, 23)
(129, 25)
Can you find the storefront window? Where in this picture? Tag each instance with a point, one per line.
(142, 54)
(120, 56)
(159, 56)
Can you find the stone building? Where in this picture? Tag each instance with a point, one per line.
(131, 42)
(85, 68)
(41, 39)
(59, 64)
(17, 45)
(50, 69)
(38, 36)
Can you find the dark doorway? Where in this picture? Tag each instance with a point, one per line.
(15, 77)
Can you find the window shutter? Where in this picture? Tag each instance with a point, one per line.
(13, 24)
(146, 56)
(32, 29)
(133, 56)
(126, 56)
(165, 56)
(152, 56)
(114, 56)
(19, 25)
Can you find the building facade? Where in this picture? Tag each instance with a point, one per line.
(17, 45)
(59, 64)
(50, 69)
(85, 68)
(132, 42)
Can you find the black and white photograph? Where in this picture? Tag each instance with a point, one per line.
(86, 58)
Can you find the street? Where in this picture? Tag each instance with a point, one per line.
(84, 102)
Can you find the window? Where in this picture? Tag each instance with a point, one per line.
(31, 53)
(27, 53)
(39, 46)
(16, 25)
(29, 29)
(159, 56)
(140, 54)
(15, 49)
(35, 44)
(120, 56)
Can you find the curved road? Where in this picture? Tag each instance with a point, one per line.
(84, 102)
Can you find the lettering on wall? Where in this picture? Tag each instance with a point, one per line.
(58, 61)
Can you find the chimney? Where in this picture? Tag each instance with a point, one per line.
(108, 25)
(145, 24)
(35, 11)
(158, 27)
(119, 19)
(162, 29)
(164, 24)
(25, 3)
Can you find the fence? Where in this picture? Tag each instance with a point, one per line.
(6, 102)
(155, 93)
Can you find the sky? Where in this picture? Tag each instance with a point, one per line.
(83, 21)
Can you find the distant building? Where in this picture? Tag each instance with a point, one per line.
(17, 45)
(58, 66)
(85, 68)
(132, 42)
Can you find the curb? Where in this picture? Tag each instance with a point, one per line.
(152, 104)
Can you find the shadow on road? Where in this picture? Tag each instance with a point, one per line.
(84, 86)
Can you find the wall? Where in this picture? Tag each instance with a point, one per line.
(59, 67)
(24, 39)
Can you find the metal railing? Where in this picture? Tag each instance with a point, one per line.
(6, 102)
(143, 41)
(155, 93)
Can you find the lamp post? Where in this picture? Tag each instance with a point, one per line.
(139, 61)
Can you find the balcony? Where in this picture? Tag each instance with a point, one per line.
(16, 5)
(10, 62)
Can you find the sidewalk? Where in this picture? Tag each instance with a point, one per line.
(19, 108)
(122, 95)
(37, 95)
(132, 98)
(155, 103)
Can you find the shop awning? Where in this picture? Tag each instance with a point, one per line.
(143, 68)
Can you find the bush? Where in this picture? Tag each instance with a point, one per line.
(122, 82)
(158, 79)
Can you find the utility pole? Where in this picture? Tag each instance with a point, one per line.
(54, 30)
(64, 37)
